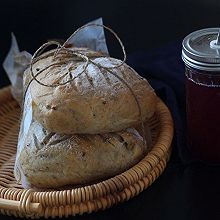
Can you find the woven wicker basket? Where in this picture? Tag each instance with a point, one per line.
(14, 200)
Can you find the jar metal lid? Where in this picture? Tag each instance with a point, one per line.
(200, 50)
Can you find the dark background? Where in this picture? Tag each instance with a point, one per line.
(183, 192)
(140, 24)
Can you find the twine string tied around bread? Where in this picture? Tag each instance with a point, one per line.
(65, 51)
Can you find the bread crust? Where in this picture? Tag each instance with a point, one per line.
(95, 102)
(50, 160)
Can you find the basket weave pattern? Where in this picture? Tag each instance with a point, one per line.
(14, 200)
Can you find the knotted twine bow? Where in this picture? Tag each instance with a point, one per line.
(63, 49)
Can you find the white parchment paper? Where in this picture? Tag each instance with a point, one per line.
(15, 64)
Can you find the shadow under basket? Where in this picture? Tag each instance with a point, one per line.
(14, 200)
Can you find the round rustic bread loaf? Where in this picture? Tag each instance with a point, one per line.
(49, 160)
(95, 102)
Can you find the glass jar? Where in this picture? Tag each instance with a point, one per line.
(201, 55)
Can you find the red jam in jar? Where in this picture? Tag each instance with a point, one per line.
(201, 54)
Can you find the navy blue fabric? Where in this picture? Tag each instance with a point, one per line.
(164, 69)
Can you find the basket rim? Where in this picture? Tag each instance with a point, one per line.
(159, 153)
